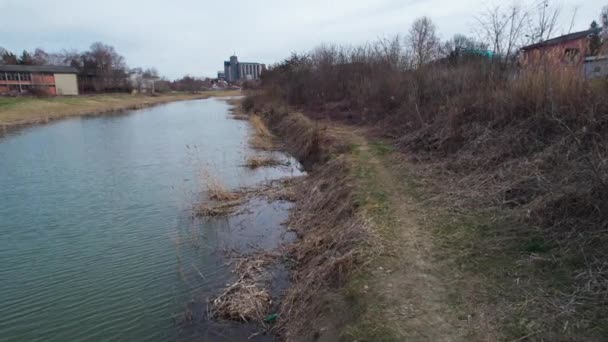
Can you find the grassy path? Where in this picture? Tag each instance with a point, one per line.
(19, 111)
(403, 294)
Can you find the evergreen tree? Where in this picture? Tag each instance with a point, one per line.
(26, 59)
(594, 39)
(9, 58)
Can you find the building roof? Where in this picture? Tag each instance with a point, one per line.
(595, 58)
(57, 69)
(560, 39)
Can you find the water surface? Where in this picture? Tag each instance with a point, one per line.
(97, 239)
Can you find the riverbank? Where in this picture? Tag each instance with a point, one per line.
(391, 247)
(22, 111)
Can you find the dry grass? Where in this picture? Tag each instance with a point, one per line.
(218, 193)
(277, 190)
(236, 110)
(223, 202)
(220, 201)
(247, 299)
(217, 209)
(261, 138)
(255, 162)
(243, 117)
(334, 239)
(20, 111)
(216, 190)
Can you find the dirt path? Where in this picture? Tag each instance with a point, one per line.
(413, 286)
(417, 294)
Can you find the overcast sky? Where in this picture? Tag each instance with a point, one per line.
(195, 36)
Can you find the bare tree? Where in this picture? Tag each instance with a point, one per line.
(3, 52)
(40, 57)
(461, 44)
(107, 65)
(390, 51)
(503, 29)
(422, 41)
(574, 13)
(544, 26)
(604, 21)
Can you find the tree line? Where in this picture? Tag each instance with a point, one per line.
(379, 73)
(102, 69)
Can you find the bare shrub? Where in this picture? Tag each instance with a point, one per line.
(248, 103)
(39, 91)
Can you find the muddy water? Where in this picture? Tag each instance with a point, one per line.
(97, 236)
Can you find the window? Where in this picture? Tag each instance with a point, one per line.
(571, 55)
(25, 76)
(2, 76)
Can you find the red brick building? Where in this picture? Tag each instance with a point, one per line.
(569, 49)
(51, 79)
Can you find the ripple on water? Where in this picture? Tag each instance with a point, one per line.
(96, 227)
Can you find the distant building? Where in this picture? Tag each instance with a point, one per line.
(51, 79)
(235, 71)
(143, 84)
(221, 76)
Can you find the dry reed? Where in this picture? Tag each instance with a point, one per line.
(247, 299)
(261, 138)
(255, 162)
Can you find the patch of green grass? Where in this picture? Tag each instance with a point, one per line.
(363, 305)
(536, 244)
(370, 194)
(68, 99)
(369, 331)
(381, 148)
(366, 309)
(12, 101)
(409, 183)
(519, 273)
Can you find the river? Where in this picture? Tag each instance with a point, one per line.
(98, 241)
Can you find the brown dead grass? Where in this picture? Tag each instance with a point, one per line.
(217, 209)
(220, 200)
(334, 239)
(262, 138)
(255, 162)
(223, 202)
(247, 299)
(217, 191)
(236, 110)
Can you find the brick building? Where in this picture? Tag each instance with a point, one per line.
(569, 49)
(52, 79)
